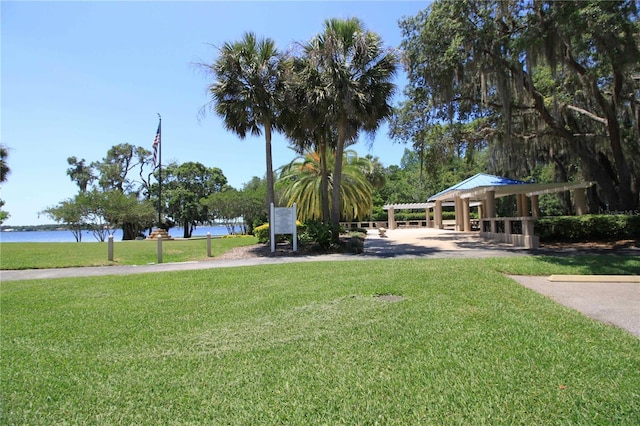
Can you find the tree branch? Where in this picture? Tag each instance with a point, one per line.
(588, 114)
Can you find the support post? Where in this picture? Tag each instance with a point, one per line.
(580, 200)
(159, 249)
(110, 249)
(208, 244)
(525, 206)
(530, 239)
(535, 206)
(295, 228)
(438, 214)
(491, 204)
(519, 206)
(392, 218)
(466, 217)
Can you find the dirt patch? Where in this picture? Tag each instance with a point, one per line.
(612, 245)
(348, 244)
(264, 250)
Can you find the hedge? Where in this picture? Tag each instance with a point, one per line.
(588, 228)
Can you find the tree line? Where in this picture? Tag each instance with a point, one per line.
(548, 91)
(122, 190)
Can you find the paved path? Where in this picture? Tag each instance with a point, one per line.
(616, 303)
(402, 243)
(612, 302)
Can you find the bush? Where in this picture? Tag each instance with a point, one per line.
(588, 228)
(262, 233)
(318, 232)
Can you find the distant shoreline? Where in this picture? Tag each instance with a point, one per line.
(35, 235)
(31, 228)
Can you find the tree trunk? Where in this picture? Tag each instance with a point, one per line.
(324, 182)
(336, 201)
(593, 170)
(561, 175)
(618, 189)
(129, 231)
(186, 229)
(270, 187)
(624, 197)
(627, 199)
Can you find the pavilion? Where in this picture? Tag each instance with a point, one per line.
(481, 191)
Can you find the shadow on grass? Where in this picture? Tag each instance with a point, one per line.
(596, 262)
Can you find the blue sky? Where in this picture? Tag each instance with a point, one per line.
(80, 77)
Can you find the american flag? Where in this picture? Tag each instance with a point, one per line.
(156, 143)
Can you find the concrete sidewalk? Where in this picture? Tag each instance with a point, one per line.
(611, 301)
(94, 271)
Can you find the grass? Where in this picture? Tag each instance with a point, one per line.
(603, 264)
(63, 255)
(272, 345)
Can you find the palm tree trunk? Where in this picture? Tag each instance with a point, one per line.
(324, 180)
(337, 182)
(270, 188)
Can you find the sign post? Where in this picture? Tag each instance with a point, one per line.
(284, 222)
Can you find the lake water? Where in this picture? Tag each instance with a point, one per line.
(87, 236)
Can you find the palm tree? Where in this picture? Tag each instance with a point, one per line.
(4, 168)
(4, 173)
(249, 79)
(303, 176)
(355, 72)
(305, 121)
(80, 173)
(375, 173)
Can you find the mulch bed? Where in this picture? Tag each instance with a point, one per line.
(600, 245)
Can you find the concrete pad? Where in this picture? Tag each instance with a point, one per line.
(595, 278)
(616, 303)
(431, 242)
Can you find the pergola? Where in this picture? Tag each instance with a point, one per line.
(481, 191)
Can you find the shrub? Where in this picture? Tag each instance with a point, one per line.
(588, 228)
(320, 233)
(262, 233)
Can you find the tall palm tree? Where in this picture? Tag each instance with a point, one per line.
(249, 79)
(305, 121)
(4, 173)
(375, 172)
(4, 168)
(303, 176)
(80, 173)
(355, 71)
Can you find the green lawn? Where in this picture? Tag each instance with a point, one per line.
(63, 255)
(310, 343)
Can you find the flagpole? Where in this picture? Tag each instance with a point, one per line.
(159, 170)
